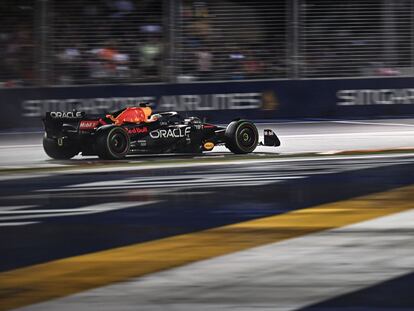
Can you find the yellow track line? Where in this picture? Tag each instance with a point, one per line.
(67, 276)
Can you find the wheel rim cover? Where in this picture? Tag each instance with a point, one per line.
(118, 143)
(246, 137)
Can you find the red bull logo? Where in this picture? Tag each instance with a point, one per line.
(137, 130)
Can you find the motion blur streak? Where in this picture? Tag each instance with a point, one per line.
(373, 257)
(71, 275)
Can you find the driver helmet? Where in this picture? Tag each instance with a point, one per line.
(155, 117)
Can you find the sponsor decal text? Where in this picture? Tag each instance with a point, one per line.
(375, 97)
(177, 132)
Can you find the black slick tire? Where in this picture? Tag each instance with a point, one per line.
(67, 150)
(241, 137)
(113, 143)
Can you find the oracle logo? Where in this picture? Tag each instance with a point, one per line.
(171, 133)
(69, 115)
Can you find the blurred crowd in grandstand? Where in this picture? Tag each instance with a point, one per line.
(240, 55)
(87, 41)
(17, 46)
(113, 42)
(71, 42)
(17, 57)
(109, 41)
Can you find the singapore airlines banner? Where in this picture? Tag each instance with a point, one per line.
(344, 98)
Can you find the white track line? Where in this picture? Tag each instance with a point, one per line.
(87, 170)
(373, 123)
(4, 209)
(353, 134)
(21, 133)
(11, 224)
(289, 122)
(87, 210)
(20, 146)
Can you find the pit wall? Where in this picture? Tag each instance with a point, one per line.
(221, 101)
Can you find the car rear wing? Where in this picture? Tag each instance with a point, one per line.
(270, 139)
(55, 119)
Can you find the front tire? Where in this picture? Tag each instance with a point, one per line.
(241, 137)
(64, 152)
(113, 143)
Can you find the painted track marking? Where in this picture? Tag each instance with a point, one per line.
(281, 276)
(76, 274)
(11, 224)
(87, 210)
(373, 123)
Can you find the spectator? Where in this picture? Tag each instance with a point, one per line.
(121, 8)
(109, 63)
(150, 53)
(204, 63)
(252, 67)
(236, 59)
(70, 65)
(19, 55)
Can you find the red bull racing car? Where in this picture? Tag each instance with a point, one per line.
(136, 130)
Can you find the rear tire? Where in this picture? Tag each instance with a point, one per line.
(241, 137)
(68, 150)
(113, 143)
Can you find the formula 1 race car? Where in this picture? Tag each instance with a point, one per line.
(136, 130)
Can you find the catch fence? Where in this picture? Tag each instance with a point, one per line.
(89, 42)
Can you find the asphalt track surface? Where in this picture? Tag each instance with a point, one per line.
(272, 231)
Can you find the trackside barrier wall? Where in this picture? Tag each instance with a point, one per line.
(342, 98)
